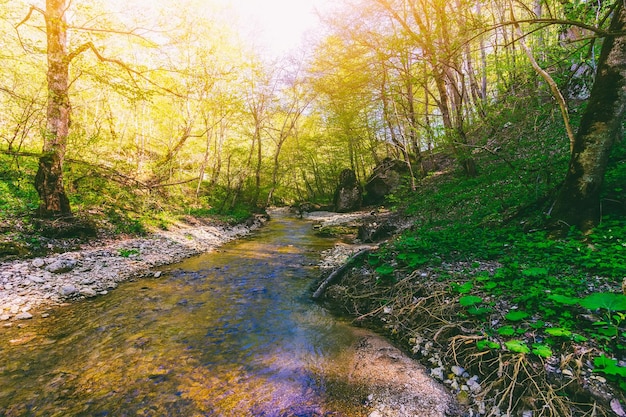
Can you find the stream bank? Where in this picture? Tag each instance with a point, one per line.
(30, 286)
(230, 333)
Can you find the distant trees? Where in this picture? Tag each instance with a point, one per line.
(189, 113)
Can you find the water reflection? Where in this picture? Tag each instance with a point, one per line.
(230, 333)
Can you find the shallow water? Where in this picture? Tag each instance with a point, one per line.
(229, 333)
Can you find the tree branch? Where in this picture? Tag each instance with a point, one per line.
(89, 46)
(548, 79)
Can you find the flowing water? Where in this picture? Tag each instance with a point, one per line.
(228, 333)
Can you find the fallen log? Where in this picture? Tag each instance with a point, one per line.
(337, 273)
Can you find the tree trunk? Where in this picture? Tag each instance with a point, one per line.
(49, 178)
(578, 203)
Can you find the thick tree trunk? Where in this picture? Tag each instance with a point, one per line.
(49, 178)
(578, 203)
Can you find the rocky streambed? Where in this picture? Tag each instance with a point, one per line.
(29, 286)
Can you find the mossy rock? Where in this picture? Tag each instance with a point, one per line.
(336, 231)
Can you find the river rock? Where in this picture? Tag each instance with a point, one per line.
(349, 193)
(38, 263)
(62, 265)
(24, 316)
(385, 179)
(88, 292)
(68, 290)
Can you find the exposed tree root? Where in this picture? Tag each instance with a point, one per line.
(424, 316)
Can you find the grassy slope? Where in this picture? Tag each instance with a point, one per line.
(541, 321)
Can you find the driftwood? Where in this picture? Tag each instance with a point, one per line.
(337, 273)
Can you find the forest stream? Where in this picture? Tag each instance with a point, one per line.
(227, 333)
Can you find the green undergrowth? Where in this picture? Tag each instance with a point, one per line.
(543, 298)
(103, 204)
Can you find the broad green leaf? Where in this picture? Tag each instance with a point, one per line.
(563, 299)
(541, 350)
(478, 311)
(487, 344)
(558, 332)
(385, 270)
(535, 272)
(506, 331)
(607, 300)
(470, 300)
(516, 315)
(517, 346)
(464, 288)
(490, 285)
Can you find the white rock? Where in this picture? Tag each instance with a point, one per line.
(38, 263)
(68, 290)
(88, 292)
(62, 265)
(437, 372)
(457, 370)
(24, 316)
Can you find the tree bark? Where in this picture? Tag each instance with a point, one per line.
(578, 203)
(49, 178)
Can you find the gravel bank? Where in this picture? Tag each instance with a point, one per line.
(29, 286)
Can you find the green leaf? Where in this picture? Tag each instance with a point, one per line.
(487, 344)
(517, 346)
(476, 311)
(541, 350)
(516, 315)
(607, 300)
(506, 331)
(578, 338)
(470, 300)
(558, 332)
(535, 272)
(463, 289)
(490, 285)
(384, 270)
(608, 366)
(563, 299)
(538, 324)
(604, 361)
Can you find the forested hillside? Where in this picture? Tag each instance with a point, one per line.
(508, 115)
(128, 116)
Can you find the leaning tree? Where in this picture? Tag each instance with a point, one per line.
(578, 202)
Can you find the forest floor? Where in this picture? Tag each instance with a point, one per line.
(419, 314)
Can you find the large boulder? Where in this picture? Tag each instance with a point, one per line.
(349, 193)
(385, 178)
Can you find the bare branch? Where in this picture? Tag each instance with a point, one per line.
(29, 14)
(89, 46)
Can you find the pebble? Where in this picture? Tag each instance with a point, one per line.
(38, 263)
(437, 373)
(457, 370)
(24, 316)
(62, 265)
(88, 292)
(68, 290)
